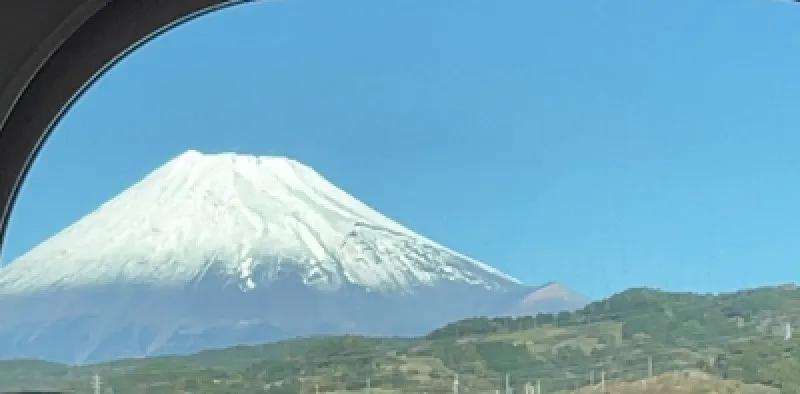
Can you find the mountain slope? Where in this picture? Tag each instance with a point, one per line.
(235, 209)
(215, 250)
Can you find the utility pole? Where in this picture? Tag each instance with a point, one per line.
(508, 388)
(538, 387)
(96, 383)
(603, 381)
(455, 384)
(649, 366)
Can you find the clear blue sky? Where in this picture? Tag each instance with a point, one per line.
(602, 144)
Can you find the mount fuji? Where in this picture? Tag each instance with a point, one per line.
(214, 250)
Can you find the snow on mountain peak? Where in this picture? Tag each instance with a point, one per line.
(247, 217)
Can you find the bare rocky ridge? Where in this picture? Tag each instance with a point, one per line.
(217, 250)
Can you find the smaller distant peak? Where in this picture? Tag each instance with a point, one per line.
(554, 289)
(551, 285)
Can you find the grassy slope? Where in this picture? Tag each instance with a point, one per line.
(682, 382)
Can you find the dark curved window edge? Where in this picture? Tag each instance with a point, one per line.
(44, 49)
(66, 72)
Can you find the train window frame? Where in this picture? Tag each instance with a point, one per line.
(56, 54)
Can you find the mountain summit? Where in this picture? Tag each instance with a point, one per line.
(216, 250)
(247, 218)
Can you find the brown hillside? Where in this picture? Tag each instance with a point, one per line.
(685, 382)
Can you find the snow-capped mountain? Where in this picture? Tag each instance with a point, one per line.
(236, 214)
(216, 250)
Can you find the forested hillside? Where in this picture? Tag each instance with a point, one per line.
(638, 341)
